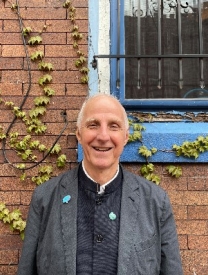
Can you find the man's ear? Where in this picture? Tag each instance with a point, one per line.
(126, 138)
(78, 135)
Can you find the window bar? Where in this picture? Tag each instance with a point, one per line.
(202, 85)
(180, 46)
(139, 43)
(159, 45)
(118, 45)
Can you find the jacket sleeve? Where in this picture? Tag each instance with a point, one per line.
(27, 264)
(170, 255)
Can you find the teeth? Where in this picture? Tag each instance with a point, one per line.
(101, 149)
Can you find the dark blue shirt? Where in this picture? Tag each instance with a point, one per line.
(98, 225)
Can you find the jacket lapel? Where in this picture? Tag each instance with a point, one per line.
(69, 186)
(129, 213)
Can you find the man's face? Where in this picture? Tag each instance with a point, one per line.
(102, 134)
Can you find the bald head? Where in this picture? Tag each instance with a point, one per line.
(96, 100)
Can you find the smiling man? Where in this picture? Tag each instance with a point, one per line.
(102, 130)
(99, 218)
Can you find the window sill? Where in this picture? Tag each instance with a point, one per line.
(162, 136)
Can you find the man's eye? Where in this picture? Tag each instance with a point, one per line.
(92, 126)
(114, 127)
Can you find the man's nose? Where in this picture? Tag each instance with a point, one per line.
(103, 133)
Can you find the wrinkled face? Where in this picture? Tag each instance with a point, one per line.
(102, 133)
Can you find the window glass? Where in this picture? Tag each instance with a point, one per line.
(168, 36)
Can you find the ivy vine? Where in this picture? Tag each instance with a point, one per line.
(26, 147)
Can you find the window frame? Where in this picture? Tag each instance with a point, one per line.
(117, 67)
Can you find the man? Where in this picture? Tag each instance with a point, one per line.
(99, 218)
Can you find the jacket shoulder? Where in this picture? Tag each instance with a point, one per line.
(54, 183)
(143, 185)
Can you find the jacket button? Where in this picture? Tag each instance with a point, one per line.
(99, 238)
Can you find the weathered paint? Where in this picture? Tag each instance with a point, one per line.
(162, 136)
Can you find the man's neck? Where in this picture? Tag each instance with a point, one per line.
(101, 176)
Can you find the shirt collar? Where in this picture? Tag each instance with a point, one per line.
(101, 188)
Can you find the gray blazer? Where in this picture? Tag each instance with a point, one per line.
(148, 242)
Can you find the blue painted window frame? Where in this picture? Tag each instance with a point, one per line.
(139, 104)
(162, 135)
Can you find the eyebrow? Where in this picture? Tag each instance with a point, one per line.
(119, 121)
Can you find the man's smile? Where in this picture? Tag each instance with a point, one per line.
(102, 149)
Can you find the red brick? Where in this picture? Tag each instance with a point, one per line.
(188, 197)
(10, 242)
(10, 88)
(198, 183)
(9, 197)
(8, 270)
(6, 116)
(198, 212)
(183, 242)
(198, 242)
(11, 38)
(13, 25)
(7, 14)
(170, 183)
(54, 38)
(191, 170)
(76, 90)
(26, 197)
(66, 26)
(9, 257)
(180, 212)
(19, 50)
(62, 51)
(37, 90)
(72, 141)
(15, 184)
(43, 13)
(187, 227)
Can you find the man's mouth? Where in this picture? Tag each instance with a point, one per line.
(102, 149)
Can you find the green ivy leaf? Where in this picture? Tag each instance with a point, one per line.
(45, 80)
(42, 148)
(23, 177)
(61, 161)
(48, 91)
(67, 4)
(2, 206)
(26, 31)
(45, 66)
(56, 149)
(154, 178)
(35, 40)
(41, 100)
(174, 171)
(145, 152)
(20, 166)
(39, 110)
(47, 169)
(38, 55)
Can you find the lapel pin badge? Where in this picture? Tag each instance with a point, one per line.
(112, 216)
(66, 199)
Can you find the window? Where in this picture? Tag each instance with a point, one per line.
(159, 53)
(149, 76)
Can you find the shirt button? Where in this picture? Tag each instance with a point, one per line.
(99, 238)
(98, 201)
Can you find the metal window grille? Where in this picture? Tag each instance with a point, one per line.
(161, 49)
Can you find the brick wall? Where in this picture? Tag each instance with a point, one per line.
(58, 50)
(188, 193)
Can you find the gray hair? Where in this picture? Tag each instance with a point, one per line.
(81, 112)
